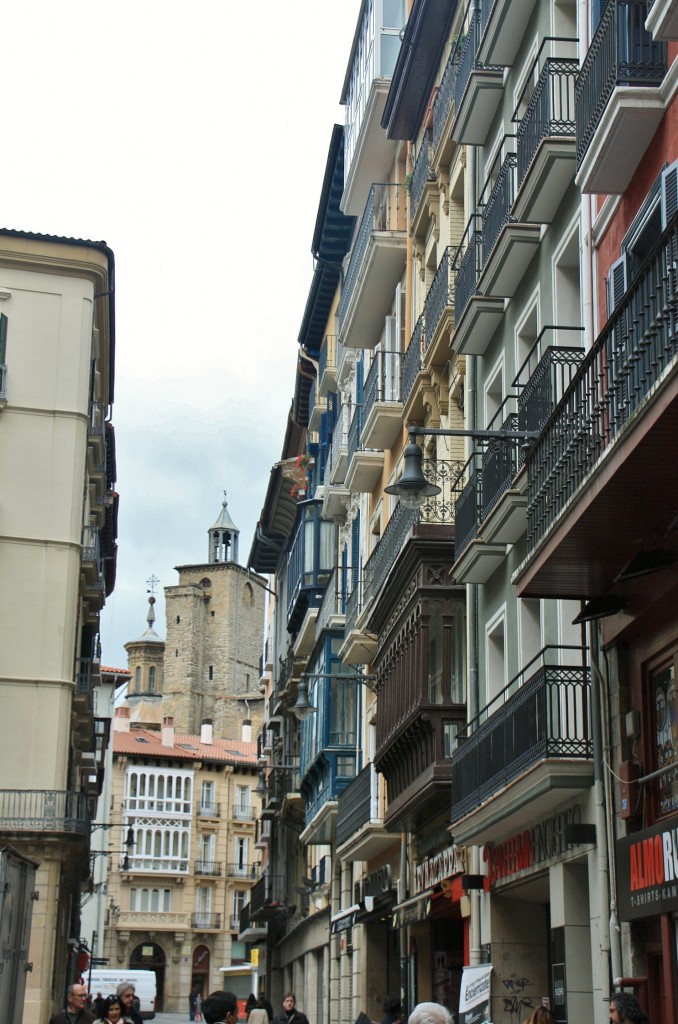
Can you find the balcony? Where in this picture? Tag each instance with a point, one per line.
(209, 810)
(438, 511)
(83, 693)
(154, 920)
(92, 563)
(207, 867)
(382, 409)
(504, 24)
(439, 312)
(360, 645)
(140, 864)
(327, 366)
(335, 495)
(476, 560)
(662, 19)
(478, 87)
(96, 442)
(364, 465)
(248, 930)
(443, 113)
(375, 267)
(360, 818)
(268, 897)
(411, 366)
(242, 812)
(47, 812)
(507, 246)
(477, 315)
(528, 751)
(424, 194)
(618, 97)
(546, 143)
(317, 407)
(546, 374)
(338, 458)
(203, 921)
(307, 572)
(332, 611)
(605, 446)
(238, 870)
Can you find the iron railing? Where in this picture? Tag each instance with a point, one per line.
(467, 46)
(444, 101)
(209, 810)
(543, 713)
(3, 382)
(83, 676)
(622, 52)
(546, 374)
(207, 867)
(436, 510)
(383, 381)
(440, 296)
(265, 890)
(467, 512)
(339, 447)
(412, 360)
(423, 173)
(354, 432)
(638, 343)
(354, 605)
(359, 804)
(328, 355)
(242, 812)
(44, 810)
(498, 204)
(334, 599)
(236, 870)
(500, 460)
(550, 111)
(467, 264)
(384, 212)
(202, 920)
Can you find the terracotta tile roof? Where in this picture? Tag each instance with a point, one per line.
(148, 743)
(116, 671)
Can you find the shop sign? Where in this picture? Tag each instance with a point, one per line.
(436, 868)
(647, 871)
(377, 883)
(413, 911)
(474, 997)
(530, 848)
(343, 921)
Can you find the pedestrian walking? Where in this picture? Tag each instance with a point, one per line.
(289, 1013)
(198, 1006)
(75, 1011)
(221, 1008)
(192, 996)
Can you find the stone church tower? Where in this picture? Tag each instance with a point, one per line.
(215, 625)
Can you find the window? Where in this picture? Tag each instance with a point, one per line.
(137, 679)
(207, 805)
(239, 900)
(207, 852)
(665, 739)
(151, 679)
(240, 858)
(242, 802)
(495, 656)
(151, 900)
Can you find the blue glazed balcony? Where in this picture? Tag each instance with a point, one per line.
(310, 562)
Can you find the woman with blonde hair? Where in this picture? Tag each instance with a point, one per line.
(541, 1015)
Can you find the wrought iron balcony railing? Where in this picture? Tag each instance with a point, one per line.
(203, 920)
(83, 677)
(354, 605)
(546, 374)
(359, 804)
(243, 813)
(467, 45)
(328, 355)
(499, 198)
(412, 360)
(500, 460)
(442, 105)
(207, 867)
(622, 53)
(543, 713)
(638, 343)
(209, 810)
(440, 296)
(339, 447)
(384, 212)
(44, 810)
(423, 172)
(467, 512)
(354, 431)
(550, 111)
(243, 870)
(334, 599)
(466, 265)
(438, 509)
(383, 381)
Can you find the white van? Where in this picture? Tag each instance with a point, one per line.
(104, 982)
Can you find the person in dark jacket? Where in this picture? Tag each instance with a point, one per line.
(289, 1013)
(125, 994)
(76, 1011)
(220, 1008)
(392, 1009)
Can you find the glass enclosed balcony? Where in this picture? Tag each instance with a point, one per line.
(310, 561)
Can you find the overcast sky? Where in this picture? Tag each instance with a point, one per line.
(193, 139)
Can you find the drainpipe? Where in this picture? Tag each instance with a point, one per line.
(586, 205)
(606, 868)
(404, 976)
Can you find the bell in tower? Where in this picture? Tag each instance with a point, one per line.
(223, 537)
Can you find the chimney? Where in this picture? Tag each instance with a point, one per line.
(121, 719)
(247, 730)
(206, 731)
(168, 731)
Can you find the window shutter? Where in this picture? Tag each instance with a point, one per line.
(669, 194)
(3, 338)
(617, 283)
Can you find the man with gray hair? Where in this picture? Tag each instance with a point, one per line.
(430, 1013)
(125, 993)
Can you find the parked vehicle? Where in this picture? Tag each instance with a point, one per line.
(104, 982)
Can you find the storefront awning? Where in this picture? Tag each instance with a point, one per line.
(417, 908)
(344, 920)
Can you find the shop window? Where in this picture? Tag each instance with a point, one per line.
(664, 737)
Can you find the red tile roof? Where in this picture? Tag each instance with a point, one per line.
(148, 743)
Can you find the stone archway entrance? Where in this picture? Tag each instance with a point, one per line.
(149, 956)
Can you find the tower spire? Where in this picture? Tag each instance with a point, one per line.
(223, 537)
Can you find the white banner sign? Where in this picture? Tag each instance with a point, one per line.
(474, 998)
